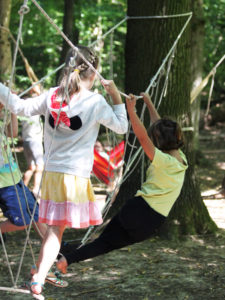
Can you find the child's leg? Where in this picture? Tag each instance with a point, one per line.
(113, 237)
(7, 226)
(49, 251)
(28, 174)
(37, 179)
(40, 228)
(139, 219)
(30, 162)
(36, 149)
(135, 222)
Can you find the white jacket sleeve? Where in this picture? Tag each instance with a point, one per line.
(115, 118)
(18, 106)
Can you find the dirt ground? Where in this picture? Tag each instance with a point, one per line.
(156, 269)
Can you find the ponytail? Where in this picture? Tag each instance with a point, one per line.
(81, 71)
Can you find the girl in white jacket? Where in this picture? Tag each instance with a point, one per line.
(67, 197)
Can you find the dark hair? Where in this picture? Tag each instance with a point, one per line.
(83, 70)
(166, 134)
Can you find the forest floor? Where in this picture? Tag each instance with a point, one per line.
(156, 269)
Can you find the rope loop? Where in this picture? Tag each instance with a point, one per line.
(24, 9)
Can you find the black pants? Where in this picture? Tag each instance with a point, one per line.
(135, 222)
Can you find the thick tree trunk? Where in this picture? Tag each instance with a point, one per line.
(148, 42)
(189, 211)
(5, 47)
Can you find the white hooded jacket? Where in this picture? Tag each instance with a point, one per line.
(67, 150)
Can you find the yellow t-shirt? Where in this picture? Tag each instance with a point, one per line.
(164, 180)
(9, 171)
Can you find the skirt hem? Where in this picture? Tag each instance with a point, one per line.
(70, 224)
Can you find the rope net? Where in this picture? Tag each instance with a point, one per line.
(135, 154)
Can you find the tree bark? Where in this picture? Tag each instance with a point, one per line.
(197, 40)
(5, 46)
(148, 42)
(68, 28)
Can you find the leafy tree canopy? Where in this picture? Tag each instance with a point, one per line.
(42, 45)
(214, 44)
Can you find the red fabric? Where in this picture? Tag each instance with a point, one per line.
(116, 154)
(102, 168)
(56, 105)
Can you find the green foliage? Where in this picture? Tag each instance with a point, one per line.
(42, 45)
(214, 44)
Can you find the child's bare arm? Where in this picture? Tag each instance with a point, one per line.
(139, 129)
(154, 116)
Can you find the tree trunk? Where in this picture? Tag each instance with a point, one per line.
(68, 28)
(5, 47)
(148, 42)
(197, 39)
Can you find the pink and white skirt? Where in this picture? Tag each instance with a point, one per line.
(68, 200)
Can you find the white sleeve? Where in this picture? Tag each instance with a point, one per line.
(18, 106)
(115, 118)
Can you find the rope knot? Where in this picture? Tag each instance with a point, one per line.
(24, 9)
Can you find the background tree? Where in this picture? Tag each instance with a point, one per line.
(43, 47)
(69, 28)
(214, 45)
(197, 43)
(147, 43)
(5, 46)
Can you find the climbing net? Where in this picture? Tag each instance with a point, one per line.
(135, 154)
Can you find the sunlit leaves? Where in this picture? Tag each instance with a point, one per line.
(42, 45)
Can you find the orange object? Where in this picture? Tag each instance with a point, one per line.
(103, 168)
(116, 154)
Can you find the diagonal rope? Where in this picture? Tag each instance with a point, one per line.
(197, 90)
(210, 93)
(164, 89)
(169, 53)
(72, 45)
